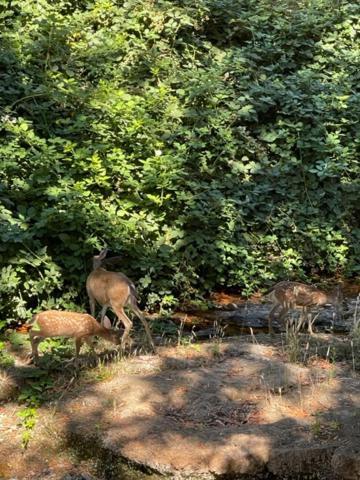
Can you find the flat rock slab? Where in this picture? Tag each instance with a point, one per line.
(223, 408)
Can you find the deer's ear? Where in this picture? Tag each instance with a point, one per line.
(103, 254)
(107, 323)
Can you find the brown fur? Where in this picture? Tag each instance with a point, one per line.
(291, 295)
(81, 326)
(114, 290)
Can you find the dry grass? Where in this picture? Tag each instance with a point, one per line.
(8, 386)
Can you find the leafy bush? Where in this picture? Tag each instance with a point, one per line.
(209, 143)
(6, 360)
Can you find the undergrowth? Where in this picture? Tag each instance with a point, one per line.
(209, 144)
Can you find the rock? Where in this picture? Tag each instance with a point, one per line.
(242, 411)
(77, 476)
(346, 462)
(302, 461)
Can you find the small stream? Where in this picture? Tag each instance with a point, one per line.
(243, 319)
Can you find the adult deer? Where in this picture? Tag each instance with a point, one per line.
(290, 295)
(114, 290)
(81, 326)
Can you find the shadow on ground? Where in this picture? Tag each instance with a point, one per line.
(221, 409)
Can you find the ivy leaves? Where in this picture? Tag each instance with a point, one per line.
(209, 144)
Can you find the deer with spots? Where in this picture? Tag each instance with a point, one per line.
(292, 295)
(80, 326)
(114, 290)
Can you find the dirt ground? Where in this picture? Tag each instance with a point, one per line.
(233, 407)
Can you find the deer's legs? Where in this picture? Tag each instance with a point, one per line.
(103, 313)
(35, 340)
(303, 319)
(78, 343)
(139, 313)
(311, 322)
(272, 316)
(282, 314)
(92, 305)
(119, 311)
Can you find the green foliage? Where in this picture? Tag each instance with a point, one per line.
(59, 348)
(6, 360)
(28, 416)
(209, 143)
(32, 395)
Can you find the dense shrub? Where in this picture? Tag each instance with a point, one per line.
(209, 143)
